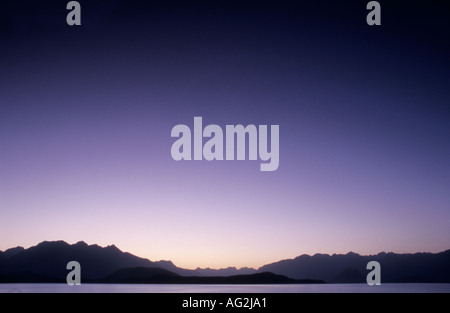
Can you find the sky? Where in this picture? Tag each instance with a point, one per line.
(86, 114)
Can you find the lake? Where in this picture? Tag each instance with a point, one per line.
(320, 288)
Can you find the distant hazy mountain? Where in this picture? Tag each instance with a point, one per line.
(351, 267)
(229, 271)
(47, 262)
(145, 275)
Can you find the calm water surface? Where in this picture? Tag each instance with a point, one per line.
(328, 288)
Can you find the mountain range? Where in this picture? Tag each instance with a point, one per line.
(46, 262)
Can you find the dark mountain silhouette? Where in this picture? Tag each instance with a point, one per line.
(47, 262)
(11, 252)
(49, 259)
(28, 277)
(140, 275)
(349, 276)
(143, 275)
(395, 268)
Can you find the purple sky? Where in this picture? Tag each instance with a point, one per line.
(86, 115)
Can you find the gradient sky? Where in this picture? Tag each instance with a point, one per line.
(86, 114)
